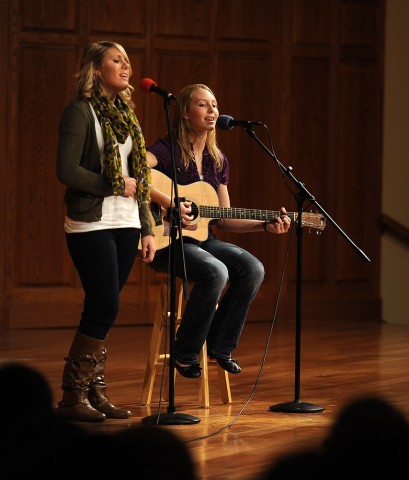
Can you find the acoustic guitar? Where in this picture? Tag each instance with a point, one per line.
(205, 208)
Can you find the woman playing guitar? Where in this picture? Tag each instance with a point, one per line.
(225, 278)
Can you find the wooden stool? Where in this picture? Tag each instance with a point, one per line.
(157, 359)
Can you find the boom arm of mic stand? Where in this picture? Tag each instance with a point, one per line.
(305, 194)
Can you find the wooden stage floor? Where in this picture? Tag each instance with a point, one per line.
(340, 361)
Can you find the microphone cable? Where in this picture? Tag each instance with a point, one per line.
(277, 301)
(238, 415)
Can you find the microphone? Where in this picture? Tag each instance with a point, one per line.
(149, 86)
(226, 122)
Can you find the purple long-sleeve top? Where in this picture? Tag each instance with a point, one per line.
(189, 175)
(186, 176)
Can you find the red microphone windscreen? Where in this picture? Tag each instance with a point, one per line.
(146, 84)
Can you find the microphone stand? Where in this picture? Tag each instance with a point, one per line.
(297, 406)
(172, 417)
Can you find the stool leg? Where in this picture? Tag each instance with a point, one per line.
(204, 399)
(178, 319)
(224, 384)
(154, 355)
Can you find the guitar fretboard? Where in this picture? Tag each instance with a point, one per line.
(242, 213)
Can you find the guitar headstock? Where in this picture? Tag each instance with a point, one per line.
(313, 220)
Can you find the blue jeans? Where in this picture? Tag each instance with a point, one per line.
(213, 268)
(104, 260)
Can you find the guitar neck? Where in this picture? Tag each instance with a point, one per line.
(242, 213)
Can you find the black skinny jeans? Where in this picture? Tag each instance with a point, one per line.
(104, 260)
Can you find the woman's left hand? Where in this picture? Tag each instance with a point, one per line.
(280, 224)
(148, 248)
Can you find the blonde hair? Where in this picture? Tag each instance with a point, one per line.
(182, 129)
(88, 81)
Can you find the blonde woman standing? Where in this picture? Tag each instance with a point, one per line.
(102, 162)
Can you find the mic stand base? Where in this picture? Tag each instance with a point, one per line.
(171, 419)
(296, 407)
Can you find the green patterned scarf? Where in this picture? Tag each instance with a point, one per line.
(117, 121)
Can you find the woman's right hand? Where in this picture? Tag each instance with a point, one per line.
(185, 212)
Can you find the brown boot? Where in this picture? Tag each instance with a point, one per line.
(97, 388)
(78, 371)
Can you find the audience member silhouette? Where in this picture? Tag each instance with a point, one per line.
(34, 440)
(37, 443)
(308, 464)
(146, 451)
(369, 438)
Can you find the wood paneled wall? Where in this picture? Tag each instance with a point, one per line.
(310, 70)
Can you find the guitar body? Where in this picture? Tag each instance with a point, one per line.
(198, 193)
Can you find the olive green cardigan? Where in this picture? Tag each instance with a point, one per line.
(79, 168)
